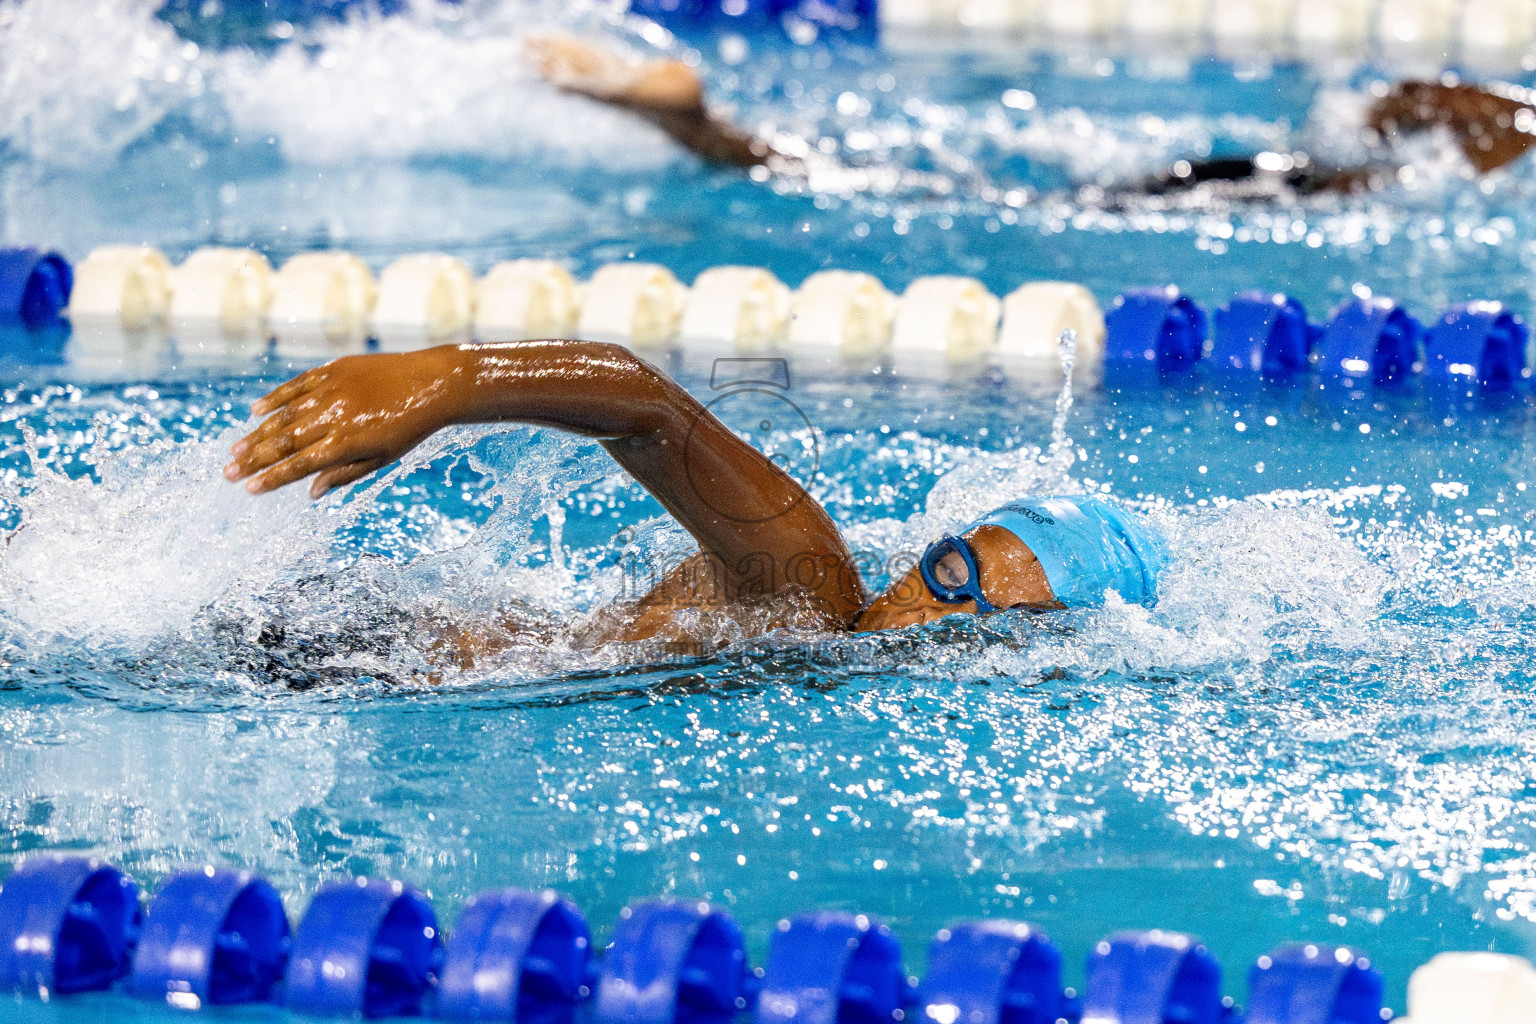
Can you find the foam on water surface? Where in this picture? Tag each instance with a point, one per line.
(367, 87)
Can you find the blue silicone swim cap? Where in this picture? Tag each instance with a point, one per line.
(1086, 546)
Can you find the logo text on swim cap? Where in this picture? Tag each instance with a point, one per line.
(1031, 514)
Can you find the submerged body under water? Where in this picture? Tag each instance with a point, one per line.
(1323, 730)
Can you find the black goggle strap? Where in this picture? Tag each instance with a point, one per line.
(971, 588)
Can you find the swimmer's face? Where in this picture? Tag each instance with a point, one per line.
(1010, 576)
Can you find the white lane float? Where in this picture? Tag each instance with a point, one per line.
(1487, 31)
(526, 298)
(996, 14)
(1249, 20)
(1165, 17)
(424, 299)
(916, 13)
(1473, 988)
(219, 302)
(1332, 24)
(127, 287)
(946, 316)
(1084, 17)
(321, 304)
(1415, 25)
(119, 307)
(745, 307)
(842, 310)
(1035, 314)
(634, 303)
(1497, 30)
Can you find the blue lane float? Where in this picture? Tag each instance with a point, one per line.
(1263, 332)
(516, 955)
(1306, 982)
(672, 960)
(1477, 343)
(1152, 977)
(844, 16)
(67, 924)
(831, 968)
(369, 947)
(992, 972)
(212, 936)
(1158, 327)
(1371, 339)
(34, 287)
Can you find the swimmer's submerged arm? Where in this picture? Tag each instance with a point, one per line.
(348, 418)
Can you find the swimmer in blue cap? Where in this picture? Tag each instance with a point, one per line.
(1039, 553)
(763, 541)
(1061, 552)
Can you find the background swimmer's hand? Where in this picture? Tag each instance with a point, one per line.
(346, 419)
(668, 93)
(1492, 130)
(580, 67)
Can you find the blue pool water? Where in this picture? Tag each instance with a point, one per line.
(1323, 730)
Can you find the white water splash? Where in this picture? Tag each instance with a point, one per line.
(397, 88)
(140, 558)
(984, 480)
(74, 96)
(370, 88)
(141, 553)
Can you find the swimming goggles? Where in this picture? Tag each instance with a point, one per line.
(967, 588)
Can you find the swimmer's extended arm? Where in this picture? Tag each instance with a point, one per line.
(666, 92)
(1492, 129)
(1494, 125)
(348, 418)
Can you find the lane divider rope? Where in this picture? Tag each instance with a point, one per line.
(374, 948)
(223, 301)
(1492, 33)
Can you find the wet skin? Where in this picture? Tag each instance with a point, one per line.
(668, 93)
(760, 535)
(1491, 129)
(1492, 125)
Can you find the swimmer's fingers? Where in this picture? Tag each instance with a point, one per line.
(340, 476)
(285, 393)
(578, 66)
(288, 418)
(264, 432)
(322, 454)
(263, 449)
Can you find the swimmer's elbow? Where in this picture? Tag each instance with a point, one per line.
(643, 400)
(631, 374)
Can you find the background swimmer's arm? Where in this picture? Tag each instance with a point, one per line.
(1493, 125)
(1492, 129)
(352, 416)
(667, 93)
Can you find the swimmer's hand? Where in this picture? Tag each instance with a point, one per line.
(577, 66)
(668, 93)
(1492, 130)
(346, 419)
